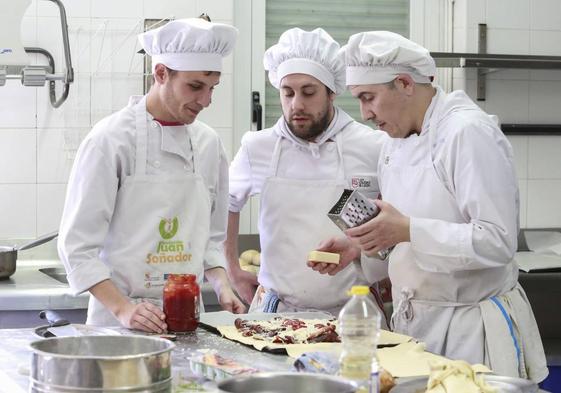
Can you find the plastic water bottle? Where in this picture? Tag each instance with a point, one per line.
(359, 327)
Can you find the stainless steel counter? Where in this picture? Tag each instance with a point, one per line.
(15, 356)
(30, 289)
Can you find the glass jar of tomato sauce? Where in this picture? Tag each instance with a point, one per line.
(181, 302)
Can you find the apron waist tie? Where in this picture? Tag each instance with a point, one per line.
(404, 310)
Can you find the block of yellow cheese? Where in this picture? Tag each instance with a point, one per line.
(322, 256)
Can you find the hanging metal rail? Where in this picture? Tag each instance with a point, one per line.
(37, 75)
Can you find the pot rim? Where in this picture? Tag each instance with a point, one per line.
(7, 249)
(268, 374)
(36, 351)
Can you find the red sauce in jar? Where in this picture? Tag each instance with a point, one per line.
(181, 302)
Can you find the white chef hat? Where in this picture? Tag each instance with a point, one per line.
(189, 44)
(375, 57)
(306, 52)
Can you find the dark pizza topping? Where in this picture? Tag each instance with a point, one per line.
(277, 331)
(294, 324)
(326, 334)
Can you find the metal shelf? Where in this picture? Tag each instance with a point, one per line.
(479, 60)
(531, 129)
(483, 61)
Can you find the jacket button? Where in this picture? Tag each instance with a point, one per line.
(157, 164)
(154, 124)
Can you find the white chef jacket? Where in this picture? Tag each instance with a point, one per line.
(454, 284)
(105, 158)
(310, 161)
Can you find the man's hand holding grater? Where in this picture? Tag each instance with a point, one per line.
(352, 210)
(388, 228)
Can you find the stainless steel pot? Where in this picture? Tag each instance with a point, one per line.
(101, 364)
(286, 383)
(9, 255)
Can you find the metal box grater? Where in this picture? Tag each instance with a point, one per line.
(354, 209)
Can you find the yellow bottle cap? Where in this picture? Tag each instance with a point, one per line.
(360, 290)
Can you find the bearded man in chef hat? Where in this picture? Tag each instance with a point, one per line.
(300, 166)
(148, 191)
(449, 206)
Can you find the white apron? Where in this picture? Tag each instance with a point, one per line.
(451, 312)
(160, 225)
(292, 222)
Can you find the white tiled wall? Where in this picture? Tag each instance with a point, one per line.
(38, 143)
(530, 27)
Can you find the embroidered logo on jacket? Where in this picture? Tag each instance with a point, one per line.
(360, 182)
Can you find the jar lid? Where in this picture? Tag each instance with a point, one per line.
(360, 290)
(181, 277)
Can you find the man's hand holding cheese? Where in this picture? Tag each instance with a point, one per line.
(342, 247)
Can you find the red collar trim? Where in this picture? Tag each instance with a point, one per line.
(169, 123)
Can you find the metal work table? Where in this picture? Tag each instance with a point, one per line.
(15, 355)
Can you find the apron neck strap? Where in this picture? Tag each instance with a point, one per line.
(193, 146)
(141, 136)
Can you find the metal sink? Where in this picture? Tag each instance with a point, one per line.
(57, 273)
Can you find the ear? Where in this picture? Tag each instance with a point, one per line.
(332, 96)
(405, 82)
(160, 73)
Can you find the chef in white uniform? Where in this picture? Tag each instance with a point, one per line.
(450, 207)
(147, 195)
(300, 167)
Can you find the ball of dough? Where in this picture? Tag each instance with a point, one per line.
(247, 255)
(256, 260)
(251, 269)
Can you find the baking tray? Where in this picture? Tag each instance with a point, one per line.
(211, 320)
(503, 384)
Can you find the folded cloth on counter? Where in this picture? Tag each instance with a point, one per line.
(544, 242)
(530, 261)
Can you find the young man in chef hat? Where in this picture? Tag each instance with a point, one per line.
(450, 208)
(300, 167)
(148, 191)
